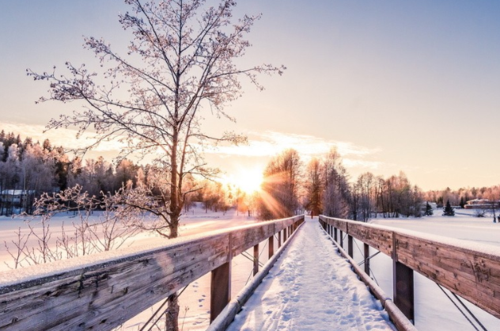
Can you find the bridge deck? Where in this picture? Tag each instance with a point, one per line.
(311, 287)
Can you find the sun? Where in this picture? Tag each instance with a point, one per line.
(248, 180)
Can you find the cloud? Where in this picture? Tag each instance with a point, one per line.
(271, 143)
(261, 146)
(364, 164)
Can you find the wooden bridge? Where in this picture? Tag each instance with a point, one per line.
(103, 291)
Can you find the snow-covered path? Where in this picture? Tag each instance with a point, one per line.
(311, 287)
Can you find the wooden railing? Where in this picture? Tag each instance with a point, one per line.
(454, 264)
(105, 290)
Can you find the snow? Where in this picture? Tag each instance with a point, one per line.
(433, 310)
(311, 287)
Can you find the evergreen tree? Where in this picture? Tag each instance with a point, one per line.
(448, 211)
(428, 209)
(462, 202)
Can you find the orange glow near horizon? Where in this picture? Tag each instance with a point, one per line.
(248, 180)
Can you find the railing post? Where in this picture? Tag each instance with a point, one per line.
(335, 234)
(255, 259)
(271, 246)
(403, 289)
(341, 239)
(279, 239)
(220, 287)
(350, 250)
(367, 258)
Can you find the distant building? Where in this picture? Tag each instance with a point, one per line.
(479, 204)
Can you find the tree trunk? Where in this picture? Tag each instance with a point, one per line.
(172, 315)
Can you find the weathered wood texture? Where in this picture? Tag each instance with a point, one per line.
(471, 274)
(104, 295)
(403, 290)
(220, 289)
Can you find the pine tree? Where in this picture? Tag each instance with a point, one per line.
(462, 202)
(428, 209)
(448, 211)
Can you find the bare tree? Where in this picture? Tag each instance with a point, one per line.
(336, 197)
(181, 60)
(395, 196)
(279, 195)
(314, 187)
(110, 230)
(366, 190)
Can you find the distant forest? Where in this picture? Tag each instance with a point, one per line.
(29, 168)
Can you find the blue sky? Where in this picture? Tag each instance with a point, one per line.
(414, 85)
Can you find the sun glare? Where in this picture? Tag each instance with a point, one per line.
(248, 180)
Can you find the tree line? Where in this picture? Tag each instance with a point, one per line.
(29, 168)
(289, 186)
(462, 195)
(324, 186)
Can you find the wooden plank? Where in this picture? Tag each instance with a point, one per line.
(366, 255)
(350, 249)
(270, 247)
(220, 289)
(377, 238)
(245, 238)
(339, 224)
(403, 289)
(255, 259)
(380, 239)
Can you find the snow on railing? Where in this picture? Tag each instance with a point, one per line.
(470, 270)
(103, 291)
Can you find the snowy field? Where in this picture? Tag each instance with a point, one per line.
(193, 222)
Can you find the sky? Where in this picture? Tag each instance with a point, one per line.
(394, 85)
